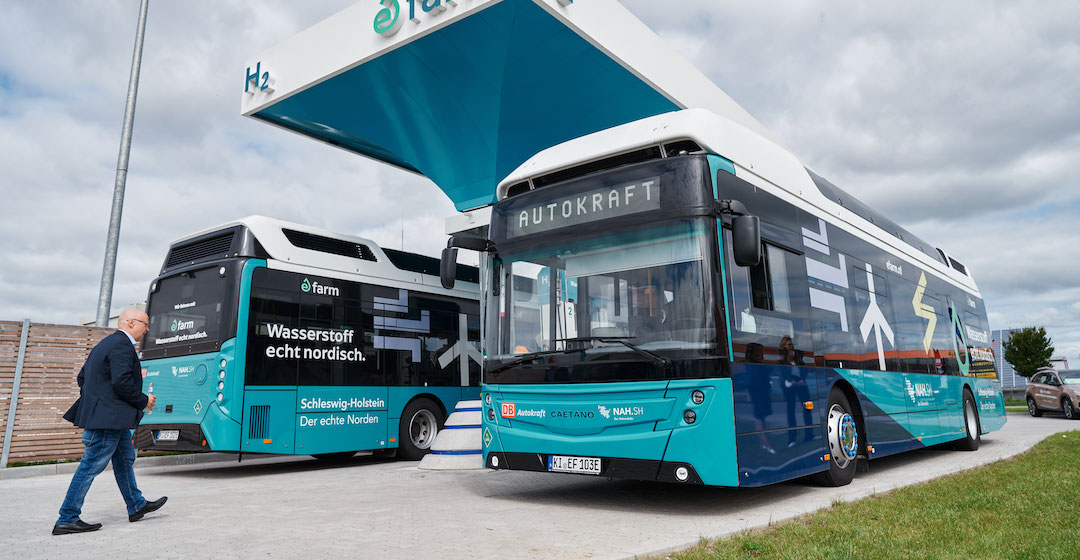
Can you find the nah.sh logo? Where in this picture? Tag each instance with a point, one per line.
(509, 410)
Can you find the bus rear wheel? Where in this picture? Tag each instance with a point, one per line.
(972, 437)
(842, 436)
(420, 423)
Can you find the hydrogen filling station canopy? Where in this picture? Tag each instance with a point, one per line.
(464, 91)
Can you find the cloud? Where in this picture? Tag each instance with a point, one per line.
(957, 120)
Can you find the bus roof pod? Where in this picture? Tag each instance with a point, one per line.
(466, 91)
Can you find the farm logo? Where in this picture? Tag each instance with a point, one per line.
(308, 286)
(181, 325)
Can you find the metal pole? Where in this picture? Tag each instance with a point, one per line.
(109, 268)
(14, 402)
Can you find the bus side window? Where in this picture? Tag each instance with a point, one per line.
(770, 303)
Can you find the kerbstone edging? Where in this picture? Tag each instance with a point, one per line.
(140, 462)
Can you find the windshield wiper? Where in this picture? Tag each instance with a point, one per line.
(657, 359)
(529, 358)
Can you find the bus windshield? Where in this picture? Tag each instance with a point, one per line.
(593, 304)
(187, 310)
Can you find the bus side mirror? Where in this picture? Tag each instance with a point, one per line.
(746, 240)
(448, 263)
(745, 232)
(448, 267)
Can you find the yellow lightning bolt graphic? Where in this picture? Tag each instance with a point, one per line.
(925, 311)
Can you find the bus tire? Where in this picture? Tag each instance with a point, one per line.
(1068, 408)
(420, 423)
(972, 432)
(1033, 409)
(334, 457)
(842, 437)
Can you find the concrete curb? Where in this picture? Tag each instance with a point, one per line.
(140, 463)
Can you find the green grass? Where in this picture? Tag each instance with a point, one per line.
(1024, 507)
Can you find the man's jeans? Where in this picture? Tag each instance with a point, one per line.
(103, 446)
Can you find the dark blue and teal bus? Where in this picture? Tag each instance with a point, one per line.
(272, 337)
(679, 299)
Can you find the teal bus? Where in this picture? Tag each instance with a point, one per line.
(680, 299)
(273, 337)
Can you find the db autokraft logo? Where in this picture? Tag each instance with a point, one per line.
(509, 410)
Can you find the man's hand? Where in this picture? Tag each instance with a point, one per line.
(151, 399)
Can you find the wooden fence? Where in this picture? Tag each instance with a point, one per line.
(47, 387)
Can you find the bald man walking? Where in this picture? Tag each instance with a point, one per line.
(110, 405)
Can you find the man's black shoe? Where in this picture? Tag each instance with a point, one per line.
(149, 507)
(78, 526)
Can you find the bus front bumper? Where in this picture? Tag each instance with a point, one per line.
(610, 467)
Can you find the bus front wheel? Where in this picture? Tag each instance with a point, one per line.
(420, 423)
(842, 436)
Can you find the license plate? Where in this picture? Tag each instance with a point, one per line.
(168, 435)
(579, 465)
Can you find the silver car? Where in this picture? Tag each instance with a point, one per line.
(1054, 390)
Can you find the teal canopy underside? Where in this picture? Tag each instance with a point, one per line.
(467, 104)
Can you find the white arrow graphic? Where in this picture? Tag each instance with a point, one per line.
(875, 320)
(462, 349)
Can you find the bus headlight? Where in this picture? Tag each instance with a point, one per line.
(681, 474)
(689, 416)
(487, 399)
(223, 363)
(221, 374)
(491, 415)
(220, 385)
(220, 397)
(697, 396)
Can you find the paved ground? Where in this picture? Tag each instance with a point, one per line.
(371, 508)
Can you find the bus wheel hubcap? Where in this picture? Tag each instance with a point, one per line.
(422, 429)
(969, 414)
(843, 436)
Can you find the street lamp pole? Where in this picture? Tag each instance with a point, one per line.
(109, 269)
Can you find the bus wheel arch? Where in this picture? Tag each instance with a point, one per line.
(420, 422)
(844, 436)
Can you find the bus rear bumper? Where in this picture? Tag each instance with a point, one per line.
(610, 467)
(155, 437)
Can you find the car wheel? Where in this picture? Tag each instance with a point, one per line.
(1068, 408)
(973, 435)
(1033, 409)
(842, 437)
(420, 423)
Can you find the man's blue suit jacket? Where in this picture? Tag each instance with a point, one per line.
(110, 387)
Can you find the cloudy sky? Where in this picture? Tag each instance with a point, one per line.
(959, 120)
